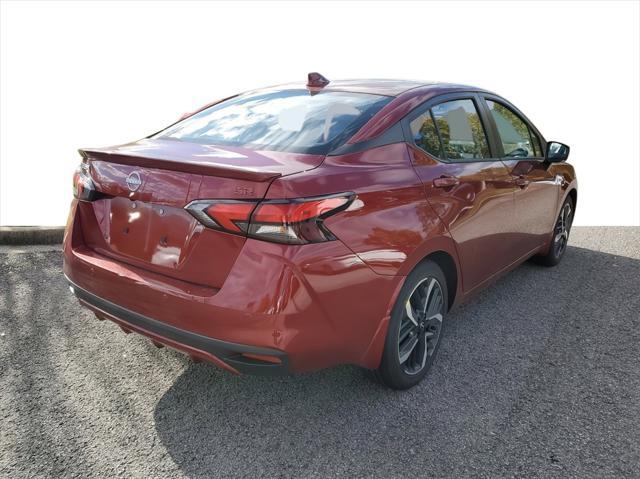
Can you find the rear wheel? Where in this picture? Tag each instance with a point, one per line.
(560, 236)
(415, 328)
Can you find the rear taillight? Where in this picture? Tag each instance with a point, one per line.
(83, 187)
(297, 221)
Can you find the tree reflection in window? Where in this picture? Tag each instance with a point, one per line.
(425, 134)
(463, 137)
(518, 141)
(452, 131)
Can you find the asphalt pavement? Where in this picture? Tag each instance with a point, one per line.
(538, 376)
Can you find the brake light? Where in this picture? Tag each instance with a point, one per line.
(83, 187)
(297, 221)
(286, 212)
(232, 216)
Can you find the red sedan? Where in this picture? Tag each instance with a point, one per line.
(308, 225)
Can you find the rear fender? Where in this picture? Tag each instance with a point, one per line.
(373, 355)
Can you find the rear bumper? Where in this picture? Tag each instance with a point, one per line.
(224, 354)
(310, 306)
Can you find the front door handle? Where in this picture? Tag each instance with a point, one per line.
(446, 182)
(521, 181)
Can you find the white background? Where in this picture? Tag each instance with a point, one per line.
(86, 74)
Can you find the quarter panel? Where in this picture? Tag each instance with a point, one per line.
(389, 221)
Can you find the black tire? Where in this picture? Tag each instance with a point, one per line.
(560, 237)
(419, 286)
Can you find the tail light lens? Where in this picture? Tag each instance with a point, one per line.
(297, 221)
(83, 187)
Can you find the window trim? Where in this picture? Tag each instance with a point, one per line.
(484, 97)
(481, 109)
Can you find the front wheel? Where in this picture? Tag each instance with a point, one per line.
(560, 236)
(415, 328)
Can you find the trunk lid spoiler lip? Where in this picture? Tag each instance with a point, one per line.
(208, 160)
(224, 171)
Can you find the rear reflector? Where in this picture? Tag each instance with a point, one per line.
(297, 221)
(263, 357)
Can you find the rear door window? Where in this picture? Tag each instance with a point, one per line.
(452, 131)
(284, 120)
(518, 140)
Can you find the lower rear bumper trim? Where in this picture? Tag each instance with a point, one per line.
(227, 352)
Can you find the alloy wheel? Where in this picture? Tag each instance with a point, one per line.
(420, 325)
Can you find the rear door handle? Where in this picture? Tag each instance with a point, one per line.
(446, 182)
(521, 181)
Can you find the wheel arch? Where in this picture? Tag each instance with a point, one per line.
(570, 191)
(573, 194)
(440, 249)
(443, 253)
(447, 264)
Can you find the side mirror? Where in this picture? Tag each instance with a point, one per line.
(557, 152)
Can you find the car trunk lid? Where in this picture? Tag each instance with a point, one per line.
(141, 220)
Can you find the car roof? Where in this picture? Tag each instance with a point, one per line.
(377, 86)
(387, 87)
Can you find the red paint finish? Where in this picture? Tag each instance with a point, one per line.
(323, 303)
(537, 192)
(477, 210)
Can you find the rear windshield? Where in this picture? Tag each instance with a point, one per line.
(287, 120)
